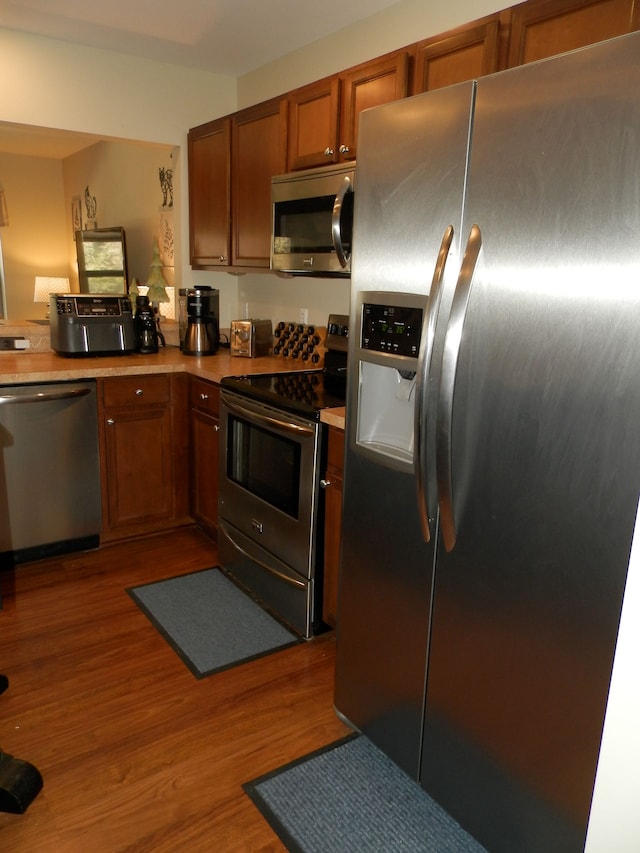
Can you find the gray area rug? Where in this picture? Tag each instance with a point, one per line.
(351, 797)
(209, 621)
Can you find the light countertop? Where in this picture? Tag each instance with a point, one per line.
(25, 367)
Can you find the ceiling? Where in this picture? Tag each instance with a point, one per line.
(223, 36)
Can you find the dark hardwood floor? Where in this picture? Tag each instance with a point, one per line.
(136, 753)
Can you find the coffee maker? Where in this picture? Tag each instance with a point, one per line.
(144, 323)
(202, 335)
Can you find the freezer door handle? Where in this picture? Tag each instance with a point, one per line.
(422, 383)
(452, 344)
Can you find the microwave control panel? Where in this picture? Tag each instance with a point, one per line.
(393, 329)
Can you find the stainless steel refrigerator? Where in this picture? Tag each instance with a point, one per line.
(492, 464)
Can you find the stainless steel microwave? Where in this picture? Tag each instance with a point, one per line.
(313, 221)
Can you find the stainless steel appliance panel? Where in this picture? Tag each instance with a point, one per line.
(528, 453)
(49, 469)
(312, 221)
(290, 596)
(544, 455)
(269, 475)
(410, 191)
(270, 463)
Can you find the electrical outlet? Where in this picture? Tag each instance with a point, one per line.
(304, 316)
(14, 343)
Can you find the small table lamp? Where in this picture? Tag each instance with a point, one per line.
(46, 285)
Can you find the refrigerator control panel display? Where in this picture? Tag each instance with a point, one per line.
(393, 329)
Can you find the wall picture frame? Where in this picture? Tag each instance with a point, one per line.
(76, 214)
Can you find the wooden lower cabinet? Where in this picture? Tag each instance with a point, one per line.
(333, 525)
(143, 454)
(204, 402)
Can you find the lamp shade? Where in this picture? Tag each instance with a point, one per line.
(46, 285)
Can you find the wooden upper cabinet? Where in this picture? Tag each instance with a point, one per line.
(370, 85)
(323, 116)
(463, 54)
(209, 193)
(542, 28)
(258, 151)
(313, 124)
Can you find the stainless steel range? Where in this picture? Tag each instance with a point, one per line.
(273, 451)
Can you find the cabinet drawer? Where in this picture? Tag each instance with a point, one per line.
(204, 396)
(136, 390)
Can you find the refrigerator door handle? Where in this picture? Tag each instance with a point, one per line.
(452, 344)
(422, 378)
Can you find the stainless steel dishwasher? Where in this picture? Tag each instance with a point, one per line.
(49, 470)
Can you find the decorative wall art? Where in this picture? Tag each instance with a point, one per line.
(91, 205)
(166, 185)
(76, 214)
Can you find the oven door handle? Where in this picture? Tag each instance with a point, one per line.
(254, 559)
(260, 419)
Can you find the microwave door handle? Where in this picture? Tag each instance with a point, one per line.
(423, 377)
(336, 236)
(452, 345)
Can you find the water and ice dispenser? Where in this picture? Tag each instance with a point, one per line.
(390, 326)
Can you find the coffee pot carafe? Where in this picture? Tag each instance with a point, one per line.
(144, 323)
(201, 336)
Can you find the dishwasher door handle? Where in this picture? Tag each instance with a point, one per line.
(42, 396)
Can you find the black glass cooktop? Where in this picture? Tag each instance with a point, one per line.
(305, 393)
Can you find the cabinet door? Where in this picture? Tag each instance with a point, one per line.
(138, 472)
(313, 124)
(258, 152)
(209, 194)
(463, 54)
(542, 28)
(333, 526)
(204, 405)
(369, 85)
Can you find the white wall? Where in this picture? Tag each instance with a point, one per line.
(35, 243)
(61, 85)
(124, 179)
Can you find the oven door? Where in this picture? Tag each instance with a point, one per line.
(268, 509)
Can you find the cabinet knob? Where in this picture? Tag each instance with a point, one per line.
(221, 258)
(344, 149)
(328, 152)
(204, 396)
(216, 427)
(139, 392)
(324, 484)
(110, 421)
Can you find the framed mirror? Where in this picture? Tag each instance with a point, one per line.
(102, 260)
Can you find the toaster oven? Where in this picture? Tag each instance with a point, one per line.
(251, 338)
(86, 324)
